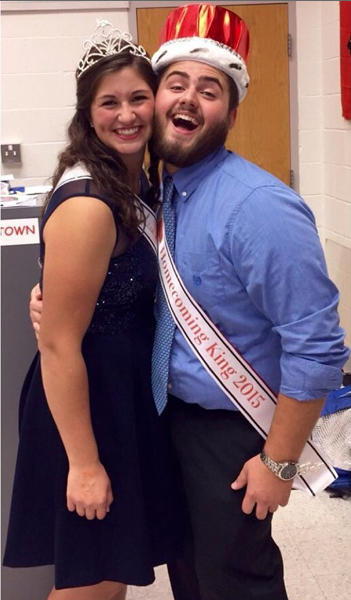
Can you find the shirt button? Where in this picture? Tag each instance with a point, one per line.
(183, 194)
(197, 279)
(169, 386)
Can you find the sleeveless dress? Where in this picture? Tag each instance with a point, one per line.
(143, 526)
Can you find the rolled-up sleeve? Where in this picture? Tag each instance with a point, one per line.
(282, 265)
(316, 379)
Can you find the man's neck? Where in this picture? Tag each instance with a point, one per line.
(171, 169)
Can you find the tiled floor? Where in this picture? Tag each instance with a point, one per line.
(314, 535)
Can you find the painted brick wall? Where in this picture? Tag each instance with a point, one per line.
(337, 165)
(325, 140)
(310, 105)
(39, 55)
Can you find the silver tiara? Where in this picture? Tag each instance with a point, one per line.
(107, 41)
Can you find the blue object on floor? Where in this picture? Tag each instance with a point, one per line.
(341, 487)
(337, 400)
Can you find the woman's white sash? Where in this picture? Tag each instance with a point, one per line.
(149, 229)
(237, 379)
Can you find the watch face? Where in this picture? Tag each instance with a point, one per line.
(288, 471)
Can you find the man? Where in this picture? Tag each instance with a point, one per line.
(245, 248)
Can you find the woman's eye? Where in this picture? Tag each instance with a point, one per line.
(176, 88)
(109, 103)
(139, 98)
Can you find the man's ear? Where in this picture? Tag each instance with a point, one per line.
(232, 117)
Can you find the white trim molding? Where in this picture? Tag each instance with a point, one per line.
(9, 6)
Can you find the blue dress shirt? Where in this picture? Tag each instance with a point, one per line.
(248, 251)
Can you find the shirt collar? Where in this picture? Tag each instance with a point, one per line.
(187, 179)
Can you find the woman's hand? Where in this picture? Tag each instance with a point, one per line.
(89, 491)
(35, 308)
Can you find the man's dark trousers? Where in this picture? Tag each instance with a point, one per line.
(228, 555)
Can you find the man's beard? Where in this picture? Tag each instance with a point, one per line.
(178, 155)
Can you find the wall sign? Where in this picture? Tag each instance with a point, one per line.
(19, 232)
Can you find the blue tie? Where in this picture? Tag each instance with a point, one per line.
(165, 324)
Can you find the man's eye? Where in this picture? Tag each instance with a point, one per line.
(177, 88)
(208, 94)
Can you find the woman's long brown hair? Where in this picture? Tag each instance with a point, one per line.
(103, 163)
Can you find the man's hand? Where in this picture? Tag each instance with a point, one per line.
(35, 308)
(263, 488)
(292, 423)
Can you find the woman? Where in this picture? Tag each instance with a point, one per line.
(92, 492)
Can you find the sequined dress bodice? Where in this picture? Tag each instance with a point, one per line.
(126, 299)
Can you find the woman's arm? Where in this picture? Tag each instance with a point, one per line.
(79, 240)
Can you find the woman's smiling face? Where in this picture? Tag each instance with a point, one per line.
(122, 112)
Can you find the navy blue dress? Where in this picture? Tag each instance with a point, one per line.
(142, 528)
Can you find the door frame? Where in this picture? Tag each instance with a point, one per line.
(293, 89)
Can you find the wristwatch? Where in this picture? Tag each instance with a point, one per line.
(286, 470)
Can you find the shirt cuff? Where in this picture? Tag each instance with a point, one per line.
(304, 379)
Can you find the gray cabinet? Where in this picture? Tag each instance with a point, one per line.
(19, 273)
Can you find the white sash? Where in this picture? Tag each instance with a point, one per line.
(236, 378)
(149, 230)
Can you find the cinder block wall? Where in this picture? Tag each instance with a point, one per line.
(325, 140)
(337, 166)
(40, 51)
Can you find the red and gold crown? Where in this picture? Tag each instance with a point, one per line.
(209, 34)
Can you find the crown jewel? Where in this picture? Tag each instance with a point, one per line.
(107, 41)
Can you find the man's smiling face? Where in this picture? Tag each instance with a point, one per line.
(192, 112)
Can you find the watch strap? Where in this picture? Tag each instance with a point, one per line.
(276, 467)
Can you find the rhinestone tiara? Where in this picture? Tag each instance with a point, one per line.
(107, 41)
